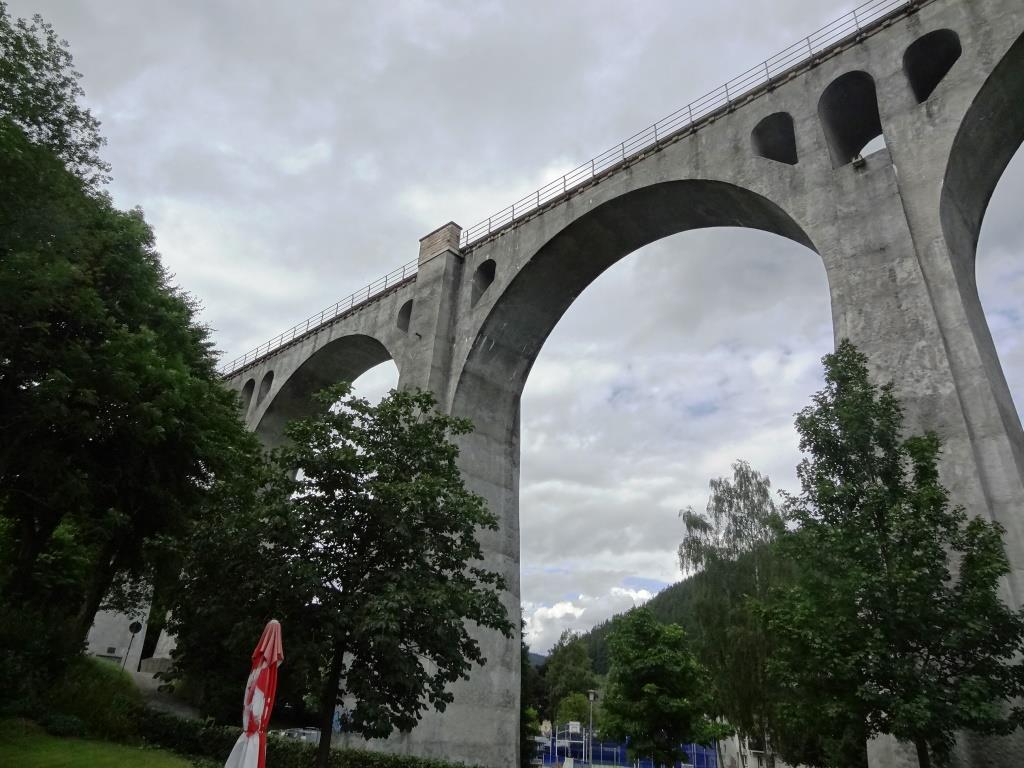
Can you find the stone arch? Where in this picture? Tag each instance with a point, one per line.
(342, 359)
(491, 380)
(848, 109)
(990, 134)
(928, 60)
(489, 383)
(510, 337)
(775, 139)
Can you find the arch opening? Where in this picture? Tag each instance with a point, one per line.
(265, 384)
(929, 59)
(848, 110)
(482, 279)
(775, 139)
(627, 413)
(375, 383)
(342, 359)
(404, 316)
(999, 269)
(246, 395)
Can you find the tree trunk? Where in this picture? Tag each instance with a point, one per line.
(924, 760)
(328, 700)
(103, 572)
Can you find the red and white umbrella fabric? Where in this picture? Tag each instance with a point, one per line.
(250, 750)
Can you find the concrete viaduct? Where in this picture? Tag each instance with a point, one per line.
(897, 229)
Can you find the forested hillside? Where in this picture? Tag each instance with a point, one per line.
(673, 605)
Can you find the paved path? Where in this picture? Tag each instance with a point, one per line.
(162, 701)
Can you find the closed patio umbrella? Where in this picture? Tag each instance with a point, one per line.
(250, 750)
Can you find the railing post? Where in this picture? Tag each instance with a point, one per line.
(727, 99)
(563, 185)
(810, 50)
(593, 173)
(623, 151)
(689, 110)
(856, 21)
(655, 126)
(488, 226)
(538, 198)
(767, 73)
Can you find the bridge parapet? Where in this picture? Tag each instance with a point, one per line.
(316, 323)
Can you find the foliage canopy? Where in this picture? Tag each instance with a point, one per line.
(658, 693)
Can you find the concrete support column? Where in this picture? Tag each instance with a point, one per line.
(481, 726)
(897, 294)
(427, 363)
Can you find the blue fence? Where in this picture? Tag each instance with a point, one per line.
(554, 751)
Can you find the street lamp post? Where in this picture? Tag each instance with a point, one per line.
(592, 697)
(135, 627)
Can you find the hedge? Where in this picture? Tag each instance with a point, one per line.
(97, 693)
(204, 739)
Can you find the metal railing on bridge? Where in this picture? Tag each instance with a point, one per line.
(690, 115)
(382, 285)
(685, 118)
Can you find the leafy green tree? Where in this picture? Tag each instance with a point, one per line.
(529, 729)
(575, 706)
(106, 375)
(116, 425)
(369, 553)
(731, 547)
(567, 670)
(740, 517)
(894, 624)
(39, 93)
(658, 693)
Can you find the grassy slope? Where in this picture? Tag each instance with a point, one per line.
(39, 750)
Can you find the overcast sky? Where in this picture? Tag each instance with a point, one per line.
(289, 153)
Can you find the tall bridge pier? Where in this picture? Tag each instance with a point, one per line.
(782, 149)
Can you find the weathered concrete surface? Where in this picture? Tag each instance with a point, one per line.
(897, 235)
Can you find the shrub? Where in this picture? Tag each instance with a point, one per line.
(190, 737)
(214, 742)
(17, 727)
(100, 695)
(64, 725)
(36, 651)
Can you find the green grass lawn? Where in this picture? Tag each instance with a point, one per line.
(40, 750)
